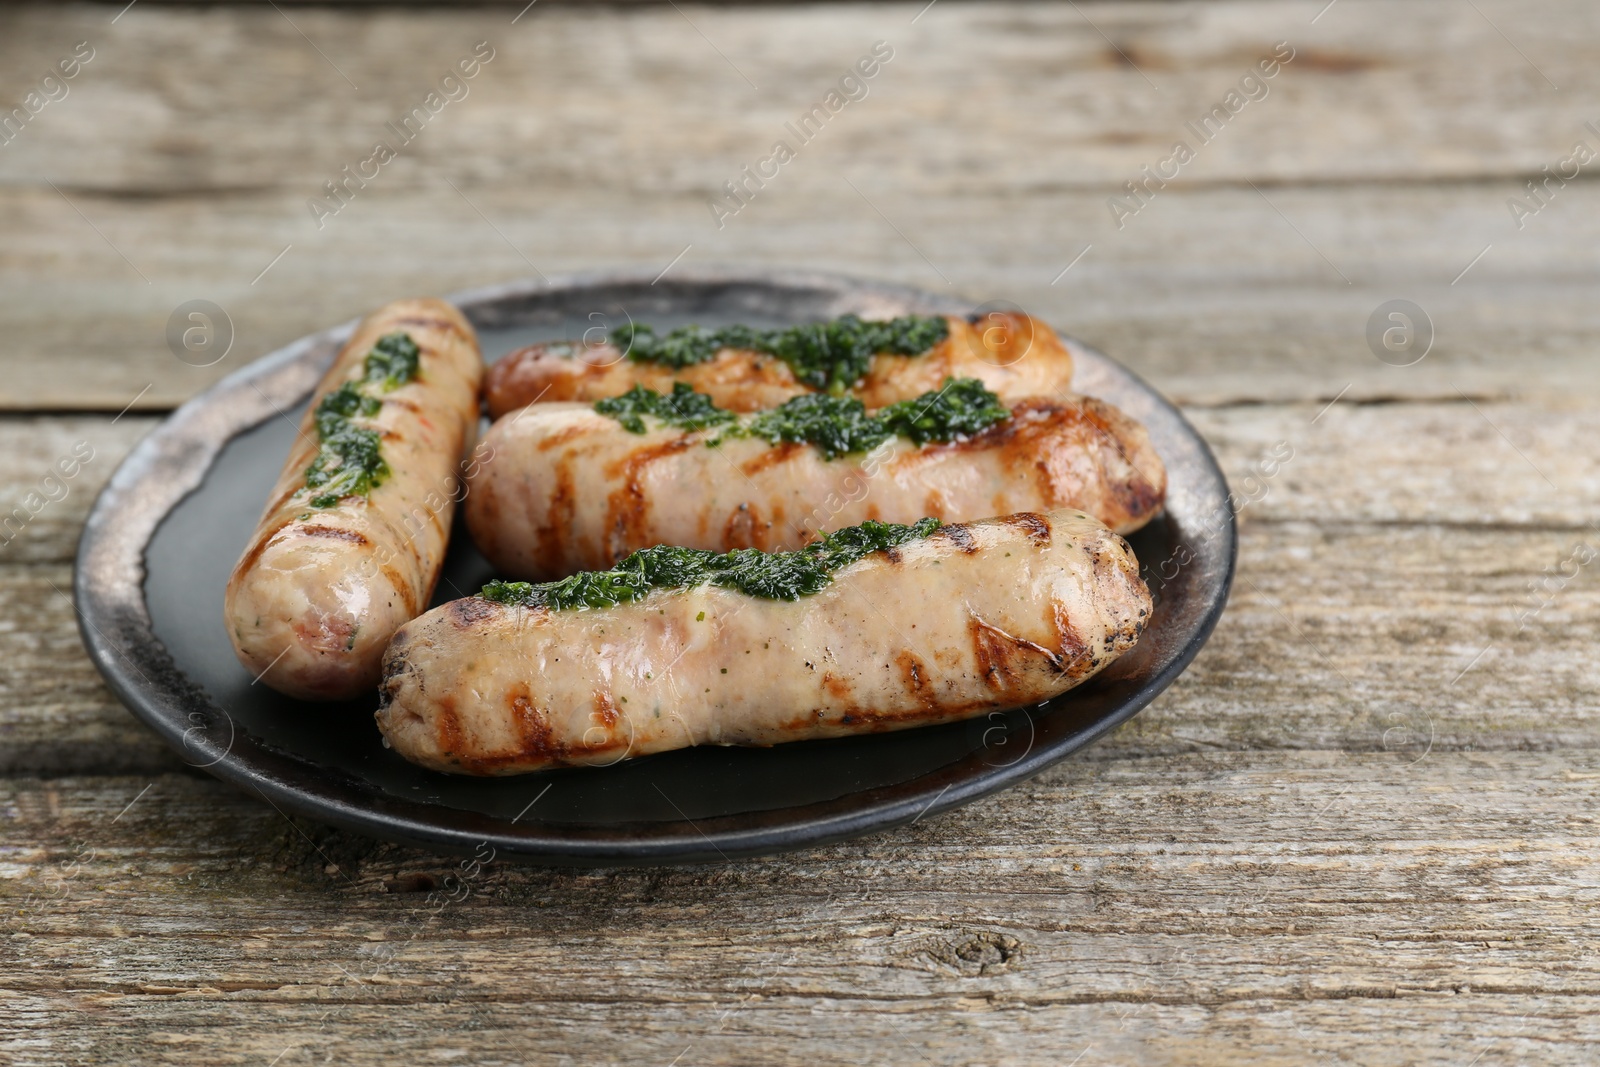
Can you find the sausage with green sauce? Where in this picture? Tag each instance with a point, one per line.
(1013, 354)
(938, 627)
(353, 536)
(571, 488)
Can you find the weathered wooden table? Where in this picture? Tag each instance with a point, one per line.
(1359, 830)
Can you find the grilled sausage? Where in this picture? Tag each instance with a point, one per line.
(1014, 355)
(980, 616)
(568, 489)
(320, 590)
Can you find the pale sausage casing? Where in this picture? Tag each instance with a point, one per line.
(1013, 354)
(319, 591)
(568, 489)
(986, 615)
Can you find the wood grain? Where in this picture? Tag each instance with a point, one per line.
(1283, 907)
(1256, 314)
(1372, 160)
(658, 100)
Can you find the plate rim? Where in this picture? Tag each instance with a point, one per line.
(115, 624)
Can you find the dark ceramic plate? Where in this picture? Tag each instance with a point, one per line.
(166, 531)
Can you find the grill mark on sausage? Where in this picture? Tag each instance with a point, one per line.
(532, 727)
(331, 532)
(740, 529)
(627, 506)
(779, 453)
(536, 740)
(563, 506)
(468, 611)
(558, 756)
(447, 727)
(1067, 448)
(535, 743)
(960, 535)
(564, 435)
(702, 524)
(252, 557)
(1076, 659)
(837, 687)
(605, 709)
(1036, 526)
(1002, 657)
(1137, 496)
(915, 676)
(804, 721)
(402, 532)
(437, 515)
(406, 589)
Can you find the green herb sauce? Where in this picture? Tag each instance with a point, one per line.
(393, 361)
(959, 408)
(683, 408)
(349, 463)
(832, 356)
(834, 425)
(768, 575)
